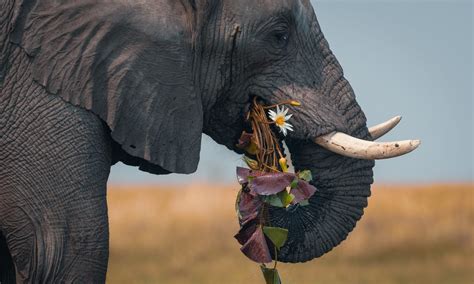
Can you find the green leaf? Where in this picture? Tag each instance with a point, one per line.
(305, 175)
(281, 199)
(294, 183)
(237, 201)
(273, 200)
(304, 203)
(271, 275)
(252, 148)
(285, 198)
(250, 162)
(278, 236)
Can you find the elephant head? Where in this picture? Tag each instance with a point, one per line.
(160, 73)
(275, 51)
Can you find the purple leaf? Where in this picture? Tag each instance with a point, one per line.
(246, 231)
(303, 191)
(244, 140)
(270, 183)
(249, 206)
(256, 247)
(243, 175)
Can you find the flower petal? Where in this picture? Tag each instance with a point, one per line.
(272, 115)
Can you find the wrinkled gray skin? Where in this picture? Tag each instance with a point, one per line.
(86, 85)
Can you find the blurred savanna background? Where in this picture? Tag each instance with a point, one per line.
(409, 58)
(409, 234)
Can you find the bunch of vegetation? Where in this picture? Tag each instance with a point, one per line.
(266, 183)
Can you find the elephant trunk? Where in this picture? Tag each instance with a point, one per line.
(342, 182)
(331, 139)
(343, 186)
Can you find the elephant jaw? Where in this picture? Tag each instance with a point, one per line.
(352, 147)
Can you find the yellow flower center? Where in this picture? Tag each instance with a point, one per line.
(280, 120)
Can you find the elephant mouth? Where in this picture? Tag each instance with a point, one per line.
(352, 147)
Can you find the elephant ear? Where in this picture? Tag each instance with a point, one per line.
(9, 10)
(129, 64)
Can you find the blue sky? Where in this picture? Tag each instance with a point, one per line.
(409, 58)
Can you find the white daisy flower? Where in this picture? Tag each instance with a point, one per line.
(280, 118)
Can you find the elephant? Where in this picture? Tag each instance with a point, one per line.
(87, 84)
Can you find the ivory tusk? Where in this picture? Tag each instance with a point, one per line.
(349, 146)
(381, 129)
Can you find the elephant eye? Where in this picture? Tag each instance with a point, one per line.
(276, 33)
(281, 39)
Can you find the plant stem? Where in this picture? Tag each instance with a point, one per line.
(276, 258)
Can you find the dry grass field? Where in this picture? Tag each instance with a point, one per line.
(409, 234)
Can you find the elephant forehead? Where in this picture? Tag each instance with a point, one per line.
(262, 8)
